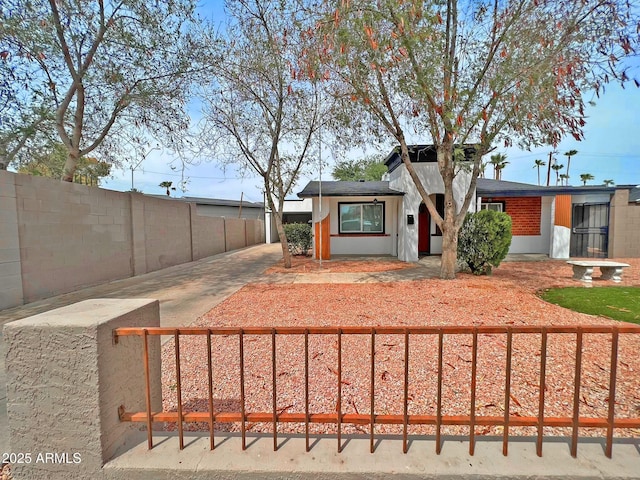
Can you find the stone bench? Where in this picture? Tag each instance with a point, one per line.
(583, 269)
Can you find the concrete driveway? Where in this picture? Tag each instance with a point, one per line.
(185, 292)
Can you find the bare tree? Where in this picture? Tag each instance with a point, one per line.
(103, 68)
(261, 112)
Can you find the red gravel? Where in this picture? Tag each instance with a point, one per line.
(506, 298)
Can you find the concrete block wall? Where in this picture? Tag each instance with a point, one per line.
(235, 233)
(58, 237)
(66, 378)
(167, 233)
(10, 268)
(70, 235)
(624, 226)
(208, 236)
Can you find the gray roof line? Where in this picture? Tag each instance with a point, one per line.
(491, 187)
(348, 189)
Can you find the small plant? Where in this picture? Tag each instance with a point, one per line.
(484, 240)
(298, 237)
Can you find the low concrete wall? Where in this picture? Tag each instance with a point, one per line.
(57, 237)
(65, 381)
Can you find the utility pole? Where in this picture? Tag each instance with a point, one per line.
(320, 190)
(549, 169)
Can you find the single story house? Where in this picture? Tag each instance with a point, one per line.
(389, 217)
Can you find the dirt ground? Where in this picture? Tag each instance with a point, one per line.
(508, 297)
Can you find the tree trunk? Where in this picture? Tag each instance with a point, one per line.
(286, 254)
(449, 227)
(449, 260)
(70, 165)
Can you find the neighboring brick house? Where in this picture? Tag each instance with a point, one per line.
(563, 222)
(389, 217)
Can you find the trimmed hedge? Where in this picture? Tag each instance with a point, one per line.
(298, 237)
(484, 240)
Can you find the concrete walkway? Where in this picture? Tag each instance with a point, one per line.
(185, 291)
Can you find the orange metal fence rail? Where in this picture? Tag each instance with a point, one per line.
(405, 419)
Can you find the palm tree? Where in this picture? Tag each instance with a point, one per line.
(608, 183)
(499, 161)
(557, 168)
(564, 179)
(483, 166)
(585, 177)
(168, 186)
(569, 154)
(538, 164)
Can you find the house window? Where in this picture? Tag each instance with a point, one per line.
(495, 206)
(361, 217)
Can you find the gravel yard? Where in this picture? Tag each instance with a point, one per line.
(506, 298)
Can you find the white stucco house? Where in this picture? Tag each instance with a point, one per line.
(388, 217)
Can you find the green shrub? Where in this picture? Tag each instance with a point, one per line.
(484, 240)
(298, 237)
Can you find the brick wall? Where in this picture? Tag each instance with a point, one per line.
(525, 214)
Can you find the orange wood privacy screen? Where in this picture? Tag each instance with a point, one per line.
(574, 422)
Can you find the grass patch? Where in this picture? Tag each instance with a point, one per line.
(617, 303)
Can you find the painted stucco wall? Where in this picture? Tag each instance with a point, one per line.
(66, 379)
(359, 244)
(365, 244)
(298, 206)
(428, 173)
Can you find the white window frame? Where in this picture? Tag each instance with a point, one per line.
(486, 206)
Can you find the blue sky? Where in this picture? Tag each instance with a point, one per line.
(611, 150)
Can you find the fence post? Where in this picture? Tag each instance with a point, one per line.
(67, 378)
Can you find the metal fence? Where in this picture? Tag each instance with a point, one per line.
(575, 421)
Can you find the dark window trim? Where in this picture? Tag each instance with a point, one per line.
(378, 233)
